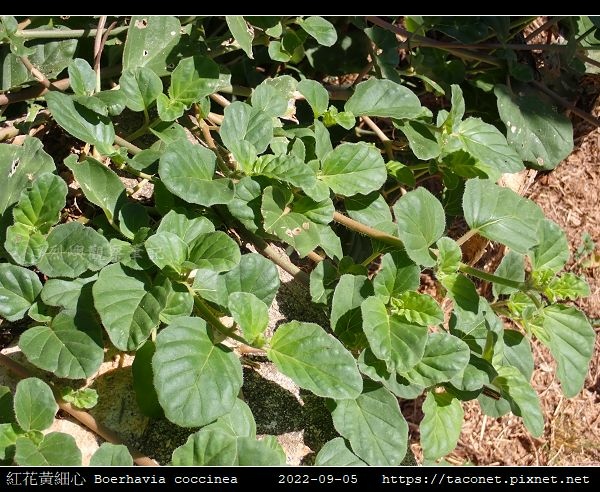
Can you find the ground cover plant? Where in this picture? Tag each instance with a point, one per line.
(370, 148)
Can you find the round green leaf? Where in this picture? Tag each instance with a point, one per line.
(441, 424)
(145, 393)
(141, 86)
(421, 309)
(421, 222)
(196, 380)
(346, 319)
(24, 244)
(239, 422)
(445, 357)
(187, 171)
(316, 95)
(74, 249)
(19, 288)
(207, 448)
(178, 299)
(320, 29)
(185, 225)
(241, 33)
(397, 274)
(166, 249)
(385, 98)
(500, 214)
(82, 77)
(374, 426)
(552, 250)
(353, 168)
(391, 339)
(56, 449)
(128, 306)
(254, 274)
(64, 293)
(315, 360)
(449, 255)
(195, 78)
(241, 122)
(66, 352)
(336, 453)
(40, 206)
(35, 406)
(111, 455)
(215, 251)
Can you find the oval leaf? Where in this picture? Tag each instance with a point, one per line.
(315, 360)
(35, 406)
(196, 380)
(374, 426)
(111, 455)
(376, 97)
(19, 288)
(56, 449)
(421, 222)
(441, 424)
(337, 453)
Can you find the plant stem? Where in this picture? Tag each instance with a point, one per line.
(83, 417)
(465, 237)
(387, 143)
(121, 142)
(384, 237)
(489, 277)
(66, 34)
(206, 313)
(370, 259)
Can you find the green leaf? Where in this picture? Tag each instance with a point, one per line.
(72, 250)
(571, 342)
(40, 206)
(111, 455)
(384, 98)
(421, 222)
(401, 345)
(421, 309)
(368, 209)
(316, 96)
(100, 185)
(441, 424)
(320, 212)
(140, 86)
(511, 267)
(215, 251)
(320, 29)
(207, 448)
(499, 214)
(397, 274)
(322, 140)
(286, 168)
(150, 41)
(242, 122)
(353, 168)
(517, 352)
(266, 452)
(62, 350)
(64, 293)
(346, 319)
(35, 406)
(291, 227)
(457, 111)
(445, 357)
(18, 290)
(84, 398)
(127, 304)
(421, 139)
(337, 453)
(239, 422)
(522, 397)
(143, 375)
(271, 101)
(56, 449)
(534, 128)
(315, 360)
(254, 274)
(178, 299)
(487, 145)
(19, 166)
(195, 78)
(374, 426)
(196, 380)
(242, 33)
(186, 225)
(82, 77)
(377, 370)
(552, 250)
(25, 245)
(166, 249)
(322, 281)
(81, 121)
(449, 256)
(9, 433)
(169, 109)
(187, 171)
(567, 286)
(251, 314)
